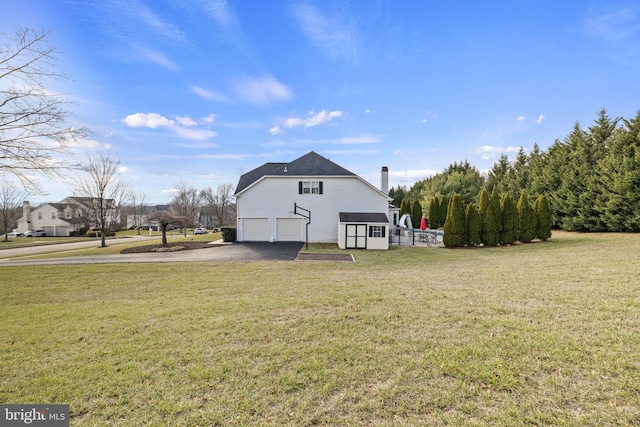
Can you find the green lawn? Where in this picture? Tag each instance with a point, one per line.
(539, 334)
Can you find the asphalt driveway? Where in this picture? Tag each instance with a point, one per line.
(245, 251)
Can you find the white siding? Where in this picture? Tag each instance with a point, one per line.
(274, 197)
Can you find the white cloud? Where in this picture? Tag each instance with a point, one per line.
(210, 118)
(83, 143)
(184, 127)
(613, 27)
(194, 134)
(336, 36)
(540, 118)
(489, 152)
(367, 111)
(365, 139)
(157, 58)
(122, 169)
(262, 91)
(185, 121)
(276, 130)
(312, 119)
(149, 120)
(520, 118)
(221, 13)
(209, 95)
(209, 176)
(411, 175)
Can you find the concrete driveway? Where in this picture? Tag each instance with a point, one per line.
(245, 251)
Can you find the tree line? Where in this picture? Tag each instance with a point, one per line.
(590, 179)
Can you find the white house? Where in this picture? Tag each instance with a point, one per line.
(64, 218)
(313, 199)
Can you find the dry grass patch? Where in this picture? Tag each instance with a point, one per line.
(543, 334)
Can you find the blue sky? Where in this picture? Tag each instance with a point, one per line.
(203, 90)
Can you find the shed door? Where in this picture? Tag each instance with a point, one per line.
(289, 230)
(356, 236)
(255, 229)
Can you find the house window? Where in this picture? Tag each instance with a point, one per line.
(39, 215)
(53, 215)
(67, 215)
(310, 187)
(376, 230)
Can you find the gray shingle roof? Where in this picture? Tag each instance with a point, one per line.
(311, 164)
(363, 217)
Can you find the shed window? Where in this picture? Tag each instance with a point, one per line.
(376, 230)
(310, 187)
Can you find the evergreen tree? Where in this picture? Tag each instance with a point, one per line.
(397, 194)
(405, 207)
(498, 173)
(543, 218)
(494, 200)
(527, 220)
(519, 175)
(491, 225)
(434, 213)
(473, 225)
(619, 179)
(444, 206)
(416, 213)
(454, 226)
(509, 220)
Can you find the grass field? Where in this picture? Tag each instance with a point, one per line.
(539, 334)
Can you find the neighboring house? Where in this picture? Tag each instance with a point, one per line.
(313, 199)
(143, 218)
(64, 218)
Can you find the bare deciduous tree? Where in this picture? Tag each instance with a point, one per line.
(99, 180)
(137, 203)
(34, 134)
(11, 198)
(219, 204)
(186, 204)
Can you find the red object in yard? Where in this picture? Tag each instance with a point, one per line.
(423, 223)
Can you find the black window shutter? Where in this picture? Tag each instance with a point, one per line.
(299, 187)
(320, 187)
(383, 230)
(370, 231)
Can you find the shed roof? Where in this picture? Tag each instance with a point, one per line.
(363, 217)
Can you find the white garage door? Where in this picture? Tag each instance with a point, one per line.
(289, 229)
(255, 229)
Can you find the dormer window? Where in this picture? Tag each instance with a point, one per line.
(310, 187)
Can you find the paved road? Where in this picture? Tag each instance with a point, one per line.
(247, 251)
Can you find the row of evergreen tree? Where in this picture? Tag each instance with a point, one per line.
(591, 179)
(496, 220)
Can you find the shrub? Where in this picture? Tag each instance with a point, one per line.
(491, 222)
(473, 225)
(454, 226)
(434, 213)
(228, 234)
(509, 213)
(543, 217)
(416, 213)
(526, 219)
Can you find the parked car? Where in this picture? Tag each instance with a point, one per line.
(200, 231)
(35, 233)
(9, 235)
